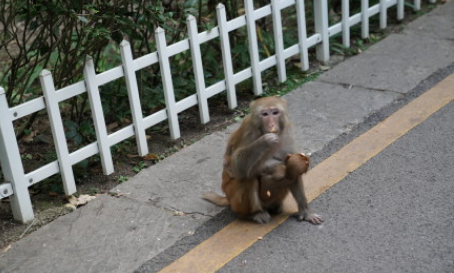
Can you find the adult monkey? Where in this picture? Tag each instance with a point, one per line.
(258, 148)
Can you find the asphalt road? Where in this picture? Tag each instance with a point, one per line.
(393, 214)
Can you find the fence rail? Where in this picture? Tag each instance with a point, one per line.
(17, 181)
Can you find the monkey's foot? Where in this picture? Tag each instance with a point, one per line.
(262, 217)
(310, 217)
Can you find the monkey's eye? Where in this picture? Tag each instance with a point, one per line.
(275, 113)
(264, 114)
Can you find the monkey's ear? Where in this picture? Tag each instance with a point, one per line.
(287, 158)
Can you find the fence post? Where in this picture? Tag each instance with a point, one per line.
(364, 19)
(302, 34)
(198, 68)
(400, 9)
(226, 56)
(321, 27)
(58, 132)
(98, 116)
(253, 46)
(346, 23)
(12, 167)
(166, 75)
(278, 40)
(383, 14)
(134, 98)
(417, 4)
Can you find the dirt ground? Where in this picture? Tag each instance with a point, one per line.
(49, 204)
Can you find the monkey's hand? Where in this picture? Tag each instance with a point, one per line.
(310, 217)
(245, 161)
(270, 139)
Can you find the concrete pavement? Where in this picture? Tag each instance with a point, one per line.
(113, 234)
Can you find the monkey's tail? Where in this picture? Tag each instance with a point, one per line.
(216, 199)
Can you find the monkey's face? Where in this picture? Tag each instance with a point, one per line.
(270, 120)
(269, 115)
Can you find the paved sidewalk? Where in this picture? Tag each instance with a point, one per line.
(113, 234)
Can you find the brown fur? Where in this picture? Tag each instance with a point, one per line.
(257, 161)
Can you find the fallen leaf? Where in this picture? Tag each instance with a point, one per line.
(118, 194)
(95, 170)
(132, 156)
(84, 199)
(44, 139)
(6, 248)
(29, 138)
(112, 126)
(72, 200)
(151, 157)
(70, 207)
(178, 213)
(53, 194)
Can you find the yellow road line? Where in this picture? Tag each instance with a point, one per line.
(236, 237)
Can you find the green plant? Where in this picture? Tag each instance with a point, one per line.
(91, 191)
(27, 156)
(139, 166)
(79, 133)
(58, 35)
(122, 179)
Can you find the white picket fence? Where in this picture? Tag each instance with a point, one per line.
(17, 181)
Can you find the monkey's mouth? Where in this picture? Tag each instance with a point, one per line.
(273, 129)
(270, 132)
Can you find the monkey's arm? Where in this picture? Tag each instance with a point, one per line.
(303, 213)
(245, 161)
